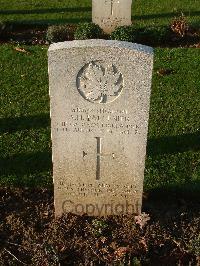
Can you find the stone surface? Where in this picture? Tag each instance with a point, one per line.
(100, 97)
(109, 14)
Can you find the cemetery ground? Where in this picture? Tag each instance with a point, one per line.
(74, 11)
(27, 22)
(171, 197)
(167, 233)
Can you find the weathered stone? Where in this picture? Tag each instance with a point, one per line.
(100, 97)
(109, 14)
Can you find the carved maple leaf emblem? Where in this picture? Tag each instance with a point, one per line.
(100, 84)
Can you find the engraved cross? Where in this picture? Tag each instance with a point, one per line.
(99, 156)
(112, 2)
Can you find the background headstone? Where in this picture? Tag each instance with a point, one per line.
(100, 97)
(109, 14)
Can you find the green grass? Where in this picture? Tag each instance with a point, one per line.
(144, 12)
(173, 152)
(24, 117)
(174, 132)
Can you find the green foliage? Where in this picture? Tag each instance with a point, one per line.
(147, 35)
(59, 33)
(124, 33)
(135, 262)
(99, 227)
(152, 35)
(86, 31)
(194, 246)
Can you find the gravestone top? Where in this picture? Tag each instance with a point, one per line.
(109, 14)
(100, 98)
(100, 43)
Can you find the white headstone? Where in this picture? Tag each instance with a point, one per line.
(109, 14)
(100, 97)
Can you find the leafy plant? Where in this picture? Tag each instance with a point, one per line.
(147, 35)
(124, 33)
(135, 262)
(86, 31)
(152, 35)
(59, 33)
(195, 246)
(99, 227)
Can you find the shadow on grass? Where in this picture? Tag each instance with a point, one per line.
(46, 11)
(46, 22)
(173, 202)
(26, 163)
(166, 15)
(9, 125)
(172, 193)
(168, 146)
(174, 144)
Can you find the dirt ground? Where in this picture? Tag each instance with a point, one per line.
(167, 233)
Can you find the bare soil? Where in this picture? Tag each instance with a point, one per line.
(30, 235)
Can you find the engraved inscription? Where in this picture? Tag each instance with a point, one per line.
(84, 120)
(98, 82)
(96, 190)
